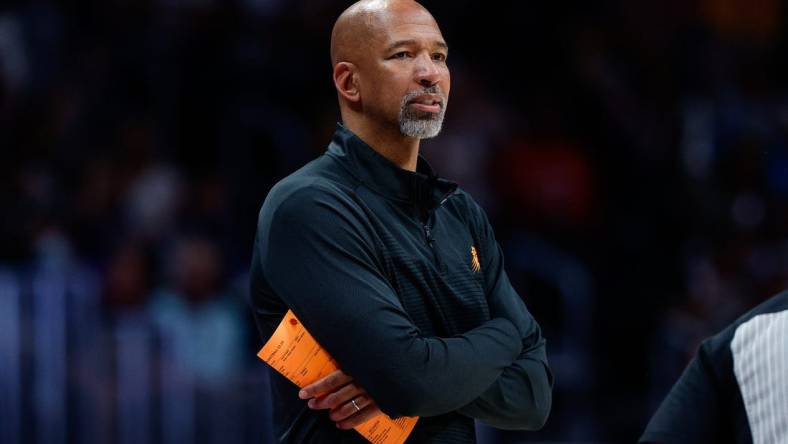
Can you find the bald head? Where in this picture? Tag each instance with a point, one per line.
(389, 69)
(355, 28)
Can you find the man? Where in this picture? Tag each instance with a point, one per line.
(735, 390)
(394, 271)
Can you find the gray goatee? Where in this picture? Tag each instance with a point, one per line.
(420, 124)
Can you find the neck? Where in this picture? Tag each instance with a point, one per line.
(388, 141)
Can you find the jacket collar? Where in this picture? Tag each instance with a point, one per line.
(423, 188)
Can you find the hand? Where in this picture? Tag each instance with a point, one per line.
(338, 393)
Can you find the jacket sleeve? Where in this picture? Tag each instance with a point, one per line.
(520, 399)
(319, 257)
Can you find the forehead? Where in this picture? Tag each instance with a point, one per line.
(408, 24)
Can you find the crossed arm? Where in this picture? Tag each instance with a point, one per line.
(521, 397)
(317, 257)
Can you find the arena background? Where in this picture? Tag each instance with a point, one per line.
(631, 154)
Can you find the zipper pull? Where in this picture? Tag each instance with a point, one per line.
(428, 233)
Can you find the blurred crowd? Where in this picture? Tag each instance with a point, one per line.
(632, 156)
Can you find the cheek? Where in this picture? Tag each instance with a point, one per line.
(385, 86)
(386, 95)
(392, 90)
(382, 98)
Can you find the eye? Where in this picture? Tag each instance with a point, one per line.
(439, 56)
(401, 55)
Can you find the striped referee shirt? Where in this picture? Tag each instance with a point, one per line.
(735, 390)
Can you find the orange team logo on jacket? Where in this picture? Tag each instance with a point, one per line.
(476, 266)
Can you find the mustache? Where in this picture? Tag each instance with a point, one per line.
(434, 89)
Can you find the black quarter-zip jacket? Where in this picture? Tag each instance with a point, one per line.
(398, 276)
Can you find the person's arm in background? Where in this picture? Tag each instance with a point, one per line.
(317, 256)
(520, 399)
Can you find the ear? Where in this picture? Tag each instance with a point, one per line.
(346, 81)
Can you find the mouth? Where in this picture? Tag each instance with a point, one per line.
(427, 103)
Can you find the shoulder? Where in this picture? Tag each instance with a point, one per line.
(760, 363)
(310, 202)
(730, 351)
(466, 207)
(774, 304)
(301, 190)
(464, 199)
(757, 338)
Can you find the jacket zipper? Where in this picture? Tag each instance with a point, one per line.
(431, 244)
(431, 240)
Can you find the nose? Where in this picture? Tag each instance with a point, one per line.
(426, 72)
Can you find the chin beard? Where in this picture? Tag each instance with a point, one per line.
(420, 124)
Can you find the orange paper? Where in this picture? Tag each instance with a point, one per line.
(294, 353)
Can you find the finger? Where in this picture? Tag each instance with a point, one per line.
(347, 409)
(359, 418)
(327, 384)
(337, 398)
